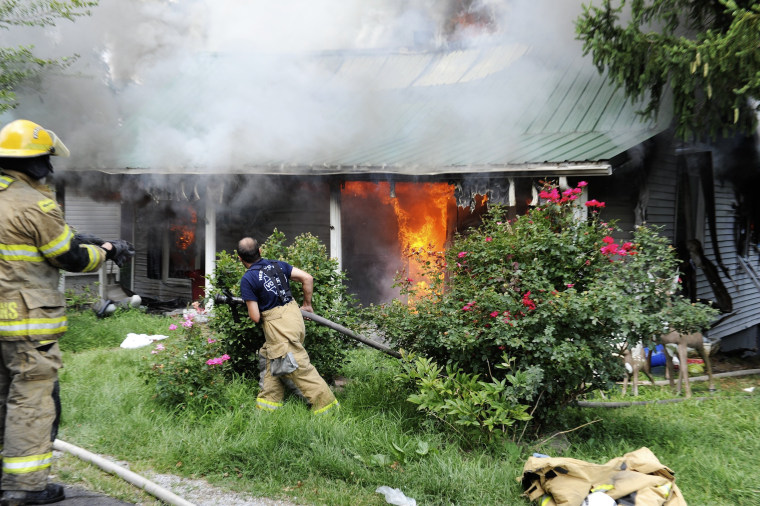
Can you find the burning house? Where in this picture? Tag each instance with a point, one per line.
(374, 150)
(433, 160)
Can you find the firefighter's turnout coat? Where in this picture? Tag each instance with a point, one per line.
(35, 244)
(635, 479)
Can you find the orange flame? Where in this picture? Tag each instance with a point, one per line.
(185, 233)
(421, 210)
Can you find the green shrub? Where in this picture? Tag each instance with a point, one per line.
(243, 338)
(555, 293)
(82, 298)
(687, 317)
(477, 409)
(649, 284)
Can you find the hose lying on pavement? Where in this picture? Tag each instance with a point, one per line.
(135, 479)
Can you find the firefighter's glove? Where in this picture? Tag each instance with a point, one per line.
(121, 251)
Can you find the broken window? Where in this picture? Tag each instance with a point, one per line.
(172, 248)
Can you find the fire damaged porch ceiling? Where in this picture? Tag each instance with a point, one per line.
(500, 109)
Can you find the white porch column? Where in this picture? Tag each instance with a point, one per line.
(213, 194)
(336, 242)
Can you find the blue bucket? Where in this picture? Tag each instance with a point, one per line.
(658, 357)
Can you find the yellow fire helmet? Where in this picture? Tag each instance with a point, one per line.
(24, 139)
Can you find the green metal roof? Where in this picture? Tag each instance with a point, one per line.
(495, 109)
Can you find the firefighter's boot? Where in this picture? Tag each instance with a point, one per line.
(53, 493)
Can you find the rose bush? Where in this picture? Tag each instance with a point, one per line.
(550, 296)
(188, 367)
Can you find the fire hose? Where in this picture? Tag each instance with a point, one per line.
(130, 477)
(237, 301)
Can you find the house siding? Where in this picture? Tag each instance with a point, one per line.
(743, 284)
(659, 189)
(88, 216)
(738, 330)
(654, 183)
(662, 188)
(172, 289)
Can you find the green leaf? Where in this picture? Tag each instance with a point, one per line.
(380, 460)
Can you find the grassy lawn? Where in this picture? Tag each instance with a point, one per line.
(377, 438)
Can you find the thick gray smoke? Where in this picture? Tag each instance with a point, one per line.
(214, 84)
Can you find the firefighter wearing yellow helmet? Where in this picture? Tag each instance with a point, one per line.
(35, 243)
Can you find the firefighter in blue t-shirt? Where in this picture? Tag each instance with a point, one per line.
(283, 361)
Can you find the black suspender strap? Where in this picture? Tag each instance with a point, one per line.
(283, 287)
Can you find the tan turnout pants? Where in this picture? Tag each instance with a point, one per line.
(284, 331)
(29, 412)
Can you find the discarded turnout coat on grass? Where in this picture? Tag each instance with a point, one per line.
(636, 479)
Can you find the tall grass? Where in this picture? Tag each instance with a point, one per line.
(377, 438)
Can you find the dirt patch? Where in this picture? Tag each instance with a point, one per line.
(201, 493)
(728, 362)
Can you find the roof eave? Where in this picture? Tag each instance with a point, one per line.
(602, 168)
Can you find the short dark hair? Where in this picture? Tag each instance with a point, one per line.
(248, 250)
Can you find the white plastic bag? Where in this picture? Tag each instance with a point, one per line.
(395, 496)
(139, 340)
